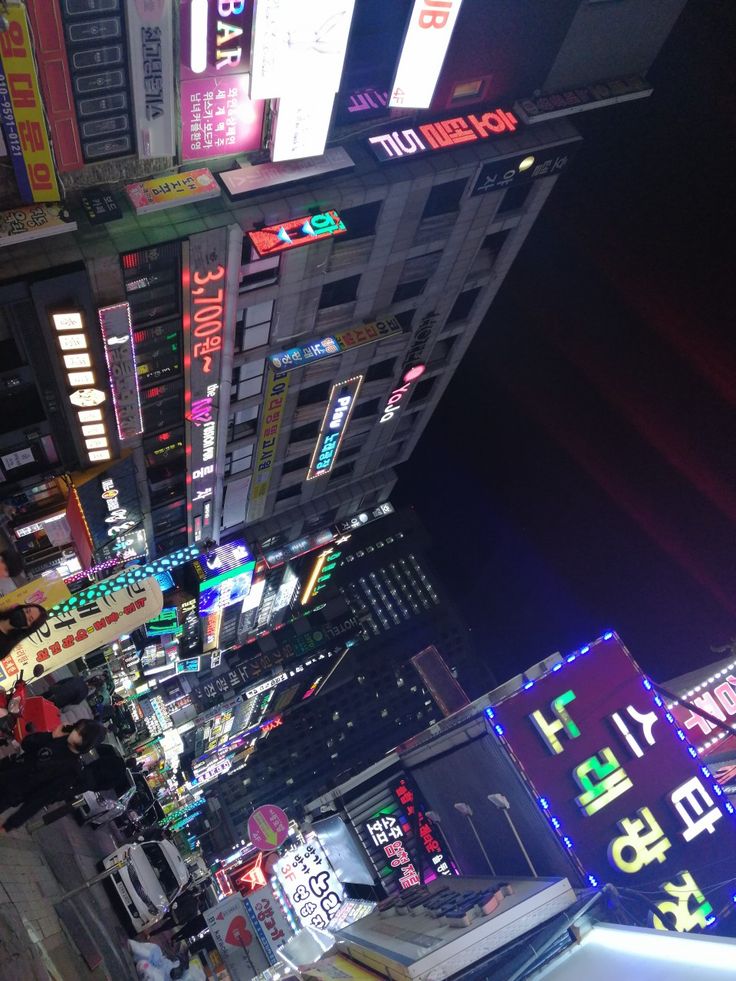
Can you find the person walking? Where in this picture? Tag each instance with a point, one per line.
(48, 770)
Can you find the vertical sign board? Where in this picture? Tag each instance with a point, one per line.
(423, 52)
(310, 884)
(337, 343)
(117, 336)
(608, 93)
(32, 222)
(22, 112)
(236, 941)
(205, 290)
(151, 47)
(338, 413)
(620, 785)
(169, 192)
(274, 403)
(251, 180)
(214, 37)
(268, 920)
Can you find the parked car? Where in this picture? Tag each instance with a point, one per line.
(153, 875)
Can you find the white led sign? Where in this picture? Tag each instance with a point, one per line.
(423, 53)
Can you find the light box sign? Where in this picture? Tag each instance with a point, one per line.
(214, 37)
(169, 192)
(117, 336)
(310, 884)
(190, 665)
(608, 93)
(274, 403)
(442, 134)
(34, 221)
(165, 623)
(337, 416)
(297, 45)
(423, 52)
(612, 771)
(221, 559)
(226, 589)
(150, 50)
(328, 347)
(716, 695)
(252, 179)
(296, 232)
(81, 381)
(218, 117)
(301, 125)
(22, 112)
(499, 175)
(205, 287)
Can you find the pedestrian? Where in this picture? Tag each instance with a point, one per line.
(71, 691)
(19, 622)
(11, 564)
(48, 771)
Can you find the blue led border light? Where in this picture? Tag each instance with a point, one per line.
(660, 708)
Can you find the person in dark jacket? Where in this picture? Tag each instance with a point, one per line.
(70, 691)
(19, 622)
(48, 770)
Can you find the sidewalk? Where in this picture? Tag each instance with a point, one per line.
(43, 938)
(33, 944)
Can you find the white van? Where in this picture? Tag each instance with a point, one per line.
(153, 876)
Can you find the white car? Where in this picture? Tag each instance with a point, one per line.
(153, 875)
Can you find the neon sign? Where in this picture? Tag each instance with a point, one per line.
(396, 397)
(84, 396)
(117, 335)
(423, 53)
(299, 231)
(204, 282)
(328, 347)
(334, 424)
(443, 134)
(716, 695)
(613, 773)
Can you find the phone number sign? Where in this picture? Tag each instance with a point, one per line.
(619, 783)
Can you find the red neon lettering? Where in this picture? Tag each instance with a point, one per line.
(200, 278)
(435, 18)
(499, 121)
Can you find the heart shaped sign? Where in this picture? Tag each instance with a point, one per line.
(238, 934)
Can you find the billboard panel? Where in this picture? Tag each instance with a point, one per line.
(622, 788)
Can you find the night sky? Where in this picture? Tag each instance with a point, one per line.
(578, 474)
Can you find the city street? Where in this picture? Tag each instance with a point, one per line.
(42, 935)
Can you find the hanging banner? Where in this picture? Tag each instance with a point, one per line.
(66, 636)
(48, 590)
(22, 113)
(274, 403)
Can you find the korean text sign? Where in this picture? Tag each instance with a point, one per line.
(298, 231)
(618, 781)
(22, 112)
(66, 636)
(310, 884)
(442, 134)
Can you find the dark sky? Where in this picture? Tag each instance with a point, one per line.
(579, 472)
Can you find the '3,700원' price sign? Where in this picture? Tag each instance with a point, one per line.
(617, 780)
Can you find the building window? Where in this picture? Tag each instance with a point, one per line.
(287, 492)
(342, 291)
(254, 326)
(444, 199)
(383, 369)
(256, 271)
(463, 305)
(365, 410)
(244, 423)
(247, 380)
(405, 318)
(239, 460)
(514, 198)
(360, 222)
(308, 431)
(422, 391)
(405, 291)
(494, 242)
(467, 91)
(300, 463)
(314, 394)
(342, 471)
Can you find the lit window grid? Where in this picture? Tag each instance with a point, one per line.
(543, 802)
(415, 586)
(139, 428)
